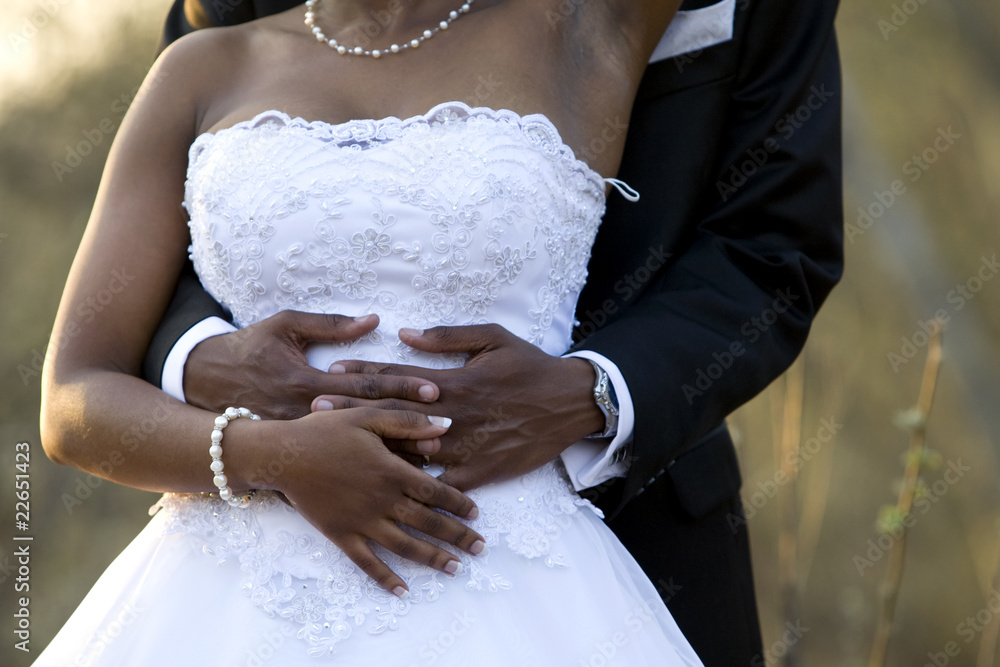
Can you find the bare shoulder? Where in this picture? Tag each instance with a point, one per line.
(209, 66)
(223, 68)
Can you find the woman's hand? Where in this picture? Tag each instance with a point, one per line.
(516, 407)
(339, 475)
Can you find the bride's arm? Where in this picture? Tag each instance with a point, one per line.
(336, 469)
(130, 254)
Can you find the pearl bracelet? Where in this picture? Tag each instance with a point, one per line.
(220, 480)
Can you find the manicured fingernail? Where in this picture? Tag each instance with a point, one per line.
(401, 592)
(454, 568)
(473, 515)
(426, 392)
(336, 368)
(412, 332)
(426, 446)
(477, 547)
(362, 319)
(440, 421)
(324, 404)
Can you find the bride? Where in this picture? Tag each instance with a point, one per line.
(316, 540)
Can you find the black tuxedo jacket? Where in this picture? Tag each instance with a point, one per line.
(702, 292)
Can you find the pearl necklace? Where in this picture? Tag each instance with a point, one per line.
(310, 22)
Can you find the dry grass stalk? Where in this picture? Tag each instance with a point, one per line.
(915, 421)
(988, 640)
(791, 438)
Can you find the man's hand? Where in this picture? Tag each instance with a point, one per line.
(514, 408)
(264, 367)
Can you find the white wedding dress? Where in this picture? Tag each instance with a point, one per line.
(459, 216)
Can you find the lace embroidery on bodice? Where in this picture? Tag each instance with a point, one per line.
(459, 216)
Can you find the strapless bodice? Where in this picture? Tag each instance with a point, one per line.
(458, 216)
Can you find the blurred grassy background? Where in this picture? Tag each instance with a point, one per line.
(902, 87)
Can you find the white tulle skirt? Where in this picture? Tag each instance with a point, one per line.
(205, 584)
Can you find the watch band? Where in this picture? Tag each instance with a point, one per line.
(604, 396)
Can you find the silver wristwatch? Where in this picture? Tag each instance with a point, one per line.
(604, 396)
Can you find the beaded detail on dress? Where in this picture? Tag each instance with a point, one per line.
(292, 572)
(458, 216)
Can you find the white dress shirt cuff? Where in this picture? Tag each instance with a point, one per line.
(172, 379)
(593, 461)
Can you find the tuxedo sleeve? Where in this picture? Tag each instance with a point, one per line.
(726, 307)
(190, 305)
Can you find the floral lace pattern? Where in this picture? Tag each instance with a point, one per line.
(426, 221)
(307, 581)
(459, 216)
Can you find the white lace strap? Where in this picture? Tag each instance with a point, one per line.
(623, 188)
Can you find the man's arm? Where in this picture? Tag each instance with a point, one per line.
(189, 305)
(732, 307)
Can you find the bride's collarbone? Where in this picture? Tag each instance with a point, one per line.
(343, 98)
(300, 77)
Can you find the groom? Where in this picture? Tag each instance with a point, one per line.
(698, 296)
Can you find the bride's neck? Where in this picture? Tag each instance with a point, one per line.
(383, 11)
